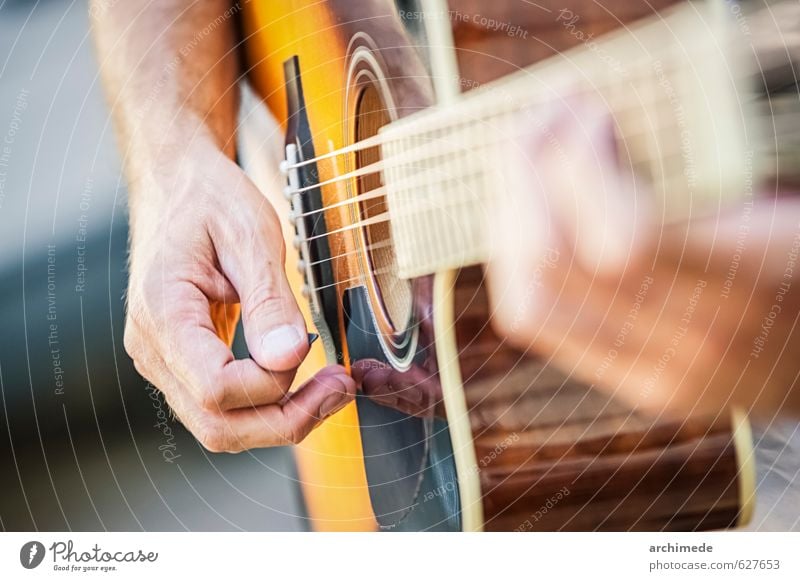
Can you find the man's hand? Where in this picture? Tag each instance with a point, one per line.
(688, 317)
(207, 239)
(203, 238)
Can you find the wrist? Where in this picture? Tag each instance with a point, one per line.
(157, 145)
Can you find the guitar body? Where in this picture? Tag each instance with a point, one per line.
(341, 74)
(454, 429)
(330, 463)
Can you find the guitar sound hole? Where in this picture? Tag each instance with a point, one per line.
(394, 294)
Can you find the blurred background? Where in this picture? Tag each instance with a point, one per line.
(85, 443)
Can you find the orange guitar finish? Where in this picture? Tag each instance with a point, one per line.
(330, 460)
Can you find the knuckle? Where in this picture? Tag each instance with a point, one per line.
(205, 272)
(169, 349)
(213, 394)
(214, 436)
(255, 228)
(270, 220)
(292, 433)
(132, 342)
(140, 369)
(266, 298)
(291, 436)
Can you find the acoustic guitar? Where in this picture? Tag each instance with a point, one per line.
(393, 115)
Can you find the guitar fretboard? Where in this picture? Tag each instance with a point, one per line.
(681, 106)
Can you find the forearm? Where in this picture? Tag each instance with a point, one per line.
(169, 69)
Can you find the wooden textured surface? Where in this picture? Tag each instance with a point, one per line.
(554, 454)
(493, 39)
(669, 89)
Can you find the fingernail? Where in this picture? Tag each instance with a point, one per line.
(332, 404)
(282, 341)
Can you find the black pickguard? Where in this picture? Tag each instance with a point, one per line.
(298, 132)
(408, 459)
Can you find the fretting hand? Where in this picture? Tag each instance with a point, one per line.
(688, 317)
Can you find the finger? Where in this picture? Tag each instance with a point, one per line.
(206, 365)
(152, 367)
(251, 253)
(523, 234)
(141, 349)
(597, 198)
(275, 424)
(263, 426)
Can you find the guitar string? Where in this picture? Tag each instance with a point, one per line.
(433, 146)
(420, 153)
(362, 171)
(380, 166)
(363, 197)
(368, 195)
(646, 75)
(381, 218)
(381, 139)
(371, 221)
(421, 178)
(373, 141)
(368, 247)
(465, 126)
(407, 159)
(360, 276)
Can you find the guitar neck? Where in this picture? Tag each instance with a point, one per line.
(675, 93)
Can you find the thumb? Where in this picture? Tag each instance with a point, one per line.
(274, 329)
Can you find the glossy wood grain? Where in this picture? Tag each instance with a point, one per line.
(493, 39)
(330, 461)
(554, 454)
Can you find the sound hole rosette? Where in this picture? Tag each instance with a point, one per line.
(370, 105)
